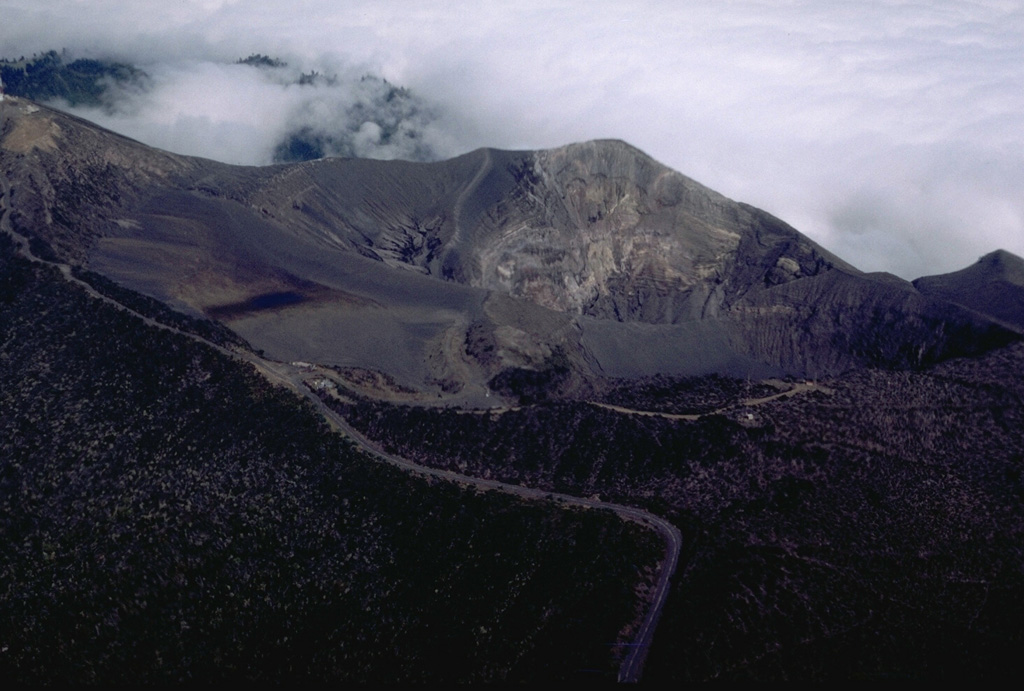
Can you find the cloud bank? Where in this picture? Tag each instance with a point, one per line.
(890, 132)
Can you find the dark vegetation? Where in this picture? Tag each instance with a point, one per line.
(873, 531)
(260, 60)
(81, 82)
(529, 386)
(168, 516)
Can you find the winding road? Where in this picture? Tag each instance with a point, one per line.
(631, 667)
(796, 388)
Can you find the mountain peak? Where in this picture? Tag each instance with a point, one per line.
(993, 286)
(1000, 265)
(1003, 265)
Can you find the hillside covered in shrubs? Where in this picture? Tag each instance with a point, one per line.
(869, 527)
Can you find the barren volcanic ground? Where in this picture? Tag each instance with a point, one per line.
(592, 259)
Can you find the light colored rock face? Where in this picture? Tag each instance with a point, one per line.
(28, 133)
(617, 243)
(602, 230)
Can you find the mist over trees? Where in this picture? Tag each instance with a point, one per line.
(331, 115)
(80, 82)
(381, 119)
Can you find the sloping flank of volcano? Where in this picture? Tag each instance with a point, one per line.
(588, 260)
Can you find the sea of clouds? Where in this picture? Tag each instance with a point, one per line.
(888, 131)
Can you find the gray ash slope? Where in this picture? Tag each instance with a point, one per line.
(589, 260)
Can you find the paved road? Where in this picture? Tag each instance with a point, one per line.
(632, 666)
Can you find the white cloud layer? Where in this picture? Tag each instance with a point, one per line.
(889, 131)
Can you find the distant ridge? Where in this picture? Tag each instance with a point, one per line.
(993, 286)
